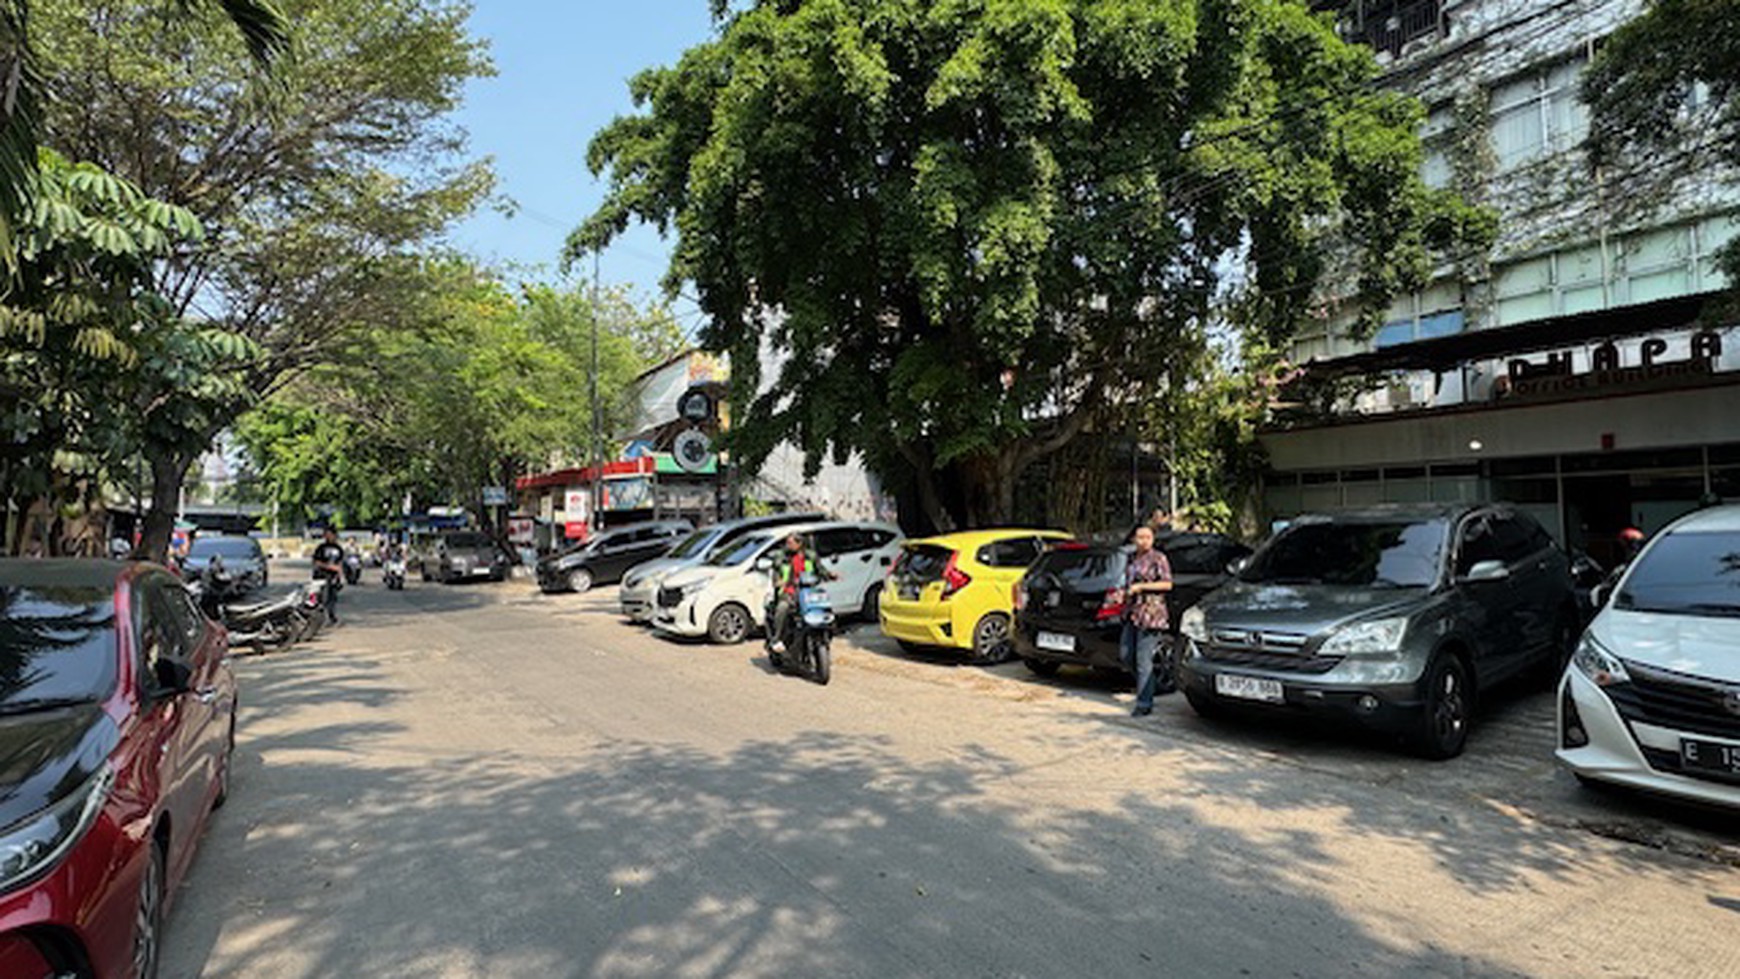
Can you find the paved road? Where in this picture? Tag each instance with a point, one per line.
(481, 781)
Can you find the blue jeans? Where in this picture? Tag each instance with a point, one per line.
(1137, 647)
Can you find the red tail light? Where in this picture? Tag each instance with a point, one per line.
(1111, 607)
(954, 579)
(1019, 595)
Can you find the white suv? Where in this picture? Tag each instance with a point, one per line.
(1651, 699)
(725, 597)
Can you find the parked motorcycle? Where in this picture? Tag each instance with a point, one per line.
(276, 622)
(809, 652)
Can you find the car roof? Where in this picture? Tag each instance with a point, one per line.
(810, 528)
(767, 520)
(1393, 511)
(1717, 519)
(964, 539)
(68, 572)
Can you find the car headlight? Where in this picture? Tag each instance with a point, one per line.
(1194, 624)
(1598, 664)
(29, 847)
(691, 588)
(1375, 636)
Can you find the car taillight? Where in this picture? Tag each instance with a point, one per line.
(954, 579)
(1019, 596)
(1111, 607)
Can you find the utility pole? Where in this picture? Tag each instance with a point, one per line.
(597, 416)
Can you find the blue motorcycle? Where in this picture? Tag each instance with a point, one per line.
(809, 651)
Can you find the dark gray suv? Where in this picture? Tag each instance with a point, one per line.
(1396, 617)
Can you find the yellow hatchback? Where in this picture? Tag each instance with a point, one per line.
(957, 591)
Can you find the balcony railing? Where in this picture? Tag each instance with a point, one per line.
(1389, 25)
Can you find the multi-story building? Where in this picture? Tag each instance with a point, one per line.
(1580, 367)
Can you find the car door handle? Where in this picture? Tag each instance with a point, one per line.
(206, 694)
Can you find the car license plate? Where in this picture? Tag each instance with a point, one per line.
(1708, 756)
(1248, 688)
(1057, 642)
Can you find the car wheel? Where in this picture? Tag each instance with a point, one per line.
(148, 919)
(580, 581)
(1205, 705)
(872, 606)
(1448, 708)
(223, 779)
(728, 625)
(1043, 667)
(991, 639)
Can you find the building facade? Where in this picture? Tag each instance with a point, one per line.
(1581, 368)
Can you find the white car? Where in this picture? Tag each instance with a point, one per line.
(638, 594)
(725, 597)
(1651, 699)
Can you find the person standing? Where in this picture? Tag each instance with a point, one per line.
(329, 571)
(1147, 579)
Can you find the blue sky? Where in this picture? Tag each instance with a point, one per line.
(563, 68)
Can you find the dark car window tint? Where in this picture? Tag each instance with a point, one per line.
(1479, 543)
(740, 550)
(840, 540)
(1405, 554)
(1081, 569)
(1201, 555)
(56, 644)
(183, 613)
(1689, 572)
(694, 544)
(1512, 539)
(228, 548)
(920, 563)
(880, 538)
(1016, 552)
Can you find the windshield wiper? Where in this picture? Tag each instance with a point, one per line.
(37, 704)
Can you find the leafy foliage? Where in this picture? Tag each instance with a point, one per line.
(975, 228)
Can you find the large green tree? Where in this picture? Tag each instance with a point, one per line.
(975, 229)
(319, 193)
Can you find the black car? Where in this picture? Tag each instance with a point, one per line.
(1067, 604)
(244, 563)
(1398, 618)
(462, 555)
(605, 557)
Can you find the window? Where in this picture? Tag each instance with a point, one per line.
(839, 540)
(1435, 140)
(1427, 315)
(880, 538)
(1538, 115)
(1479, 543)
(1016, 552)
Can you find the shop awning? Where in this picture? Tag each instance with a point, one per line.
(1449, 353)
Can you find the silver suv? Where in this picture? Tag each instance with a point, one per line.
(1395, 617)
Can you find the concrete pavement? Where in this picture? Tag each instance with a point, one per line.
(482, 781)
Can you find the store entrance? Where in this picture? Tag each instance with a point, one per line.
(1599, 507)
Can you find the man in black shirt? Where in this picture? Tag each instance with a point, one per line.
(329, 569)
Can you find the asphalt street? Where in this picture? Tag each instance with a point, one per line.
(483, 781)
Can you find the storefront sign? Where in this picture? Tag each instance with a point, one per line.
(521, 530)
(574, 530)
(577, 503)
(634, 493)
(1527, 379)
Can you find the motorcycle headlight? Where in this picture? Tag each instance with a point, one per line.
(1375, 636)
(1194, 624)
(34, 844)
(1598, 664)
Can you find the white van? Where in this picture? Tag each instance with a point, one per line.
(1651, 699)
(725, 597)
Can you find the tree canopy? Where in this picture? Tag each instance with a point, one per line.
(975, 229)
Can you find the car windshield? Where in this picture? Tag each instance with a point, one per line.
(224, 547)
(1404, 554)
(57, 646)
(1081, 568)
(695, 544)
(739, 551)
(466, 541)
(1692, 573)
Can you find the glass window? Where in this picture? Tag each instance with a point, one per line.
(741, 550)
(1016, 552)
(59, 645)
(1538, 114)
(228, 548)
(1401, 554)
(1690, 573)
(694, 544)
(839, 540)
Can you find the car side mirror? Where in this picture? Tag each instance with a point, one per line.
(764, 564)
(1486, 571)
(172, 676)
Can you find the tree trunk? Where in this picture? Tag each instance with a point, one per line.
(168, 469)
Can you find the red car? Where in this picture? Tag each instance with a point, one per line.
(117, 719)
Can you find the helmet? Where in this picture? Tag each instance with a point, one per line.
(1631, 535)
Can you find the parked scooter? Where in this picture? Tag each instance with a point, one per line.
(276, 622)
(809, 651)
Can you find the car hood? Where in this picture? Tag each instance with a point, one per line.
(655, 568)
(1700, 645)
(1303, 609)
(704, 574)
(46, 754)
